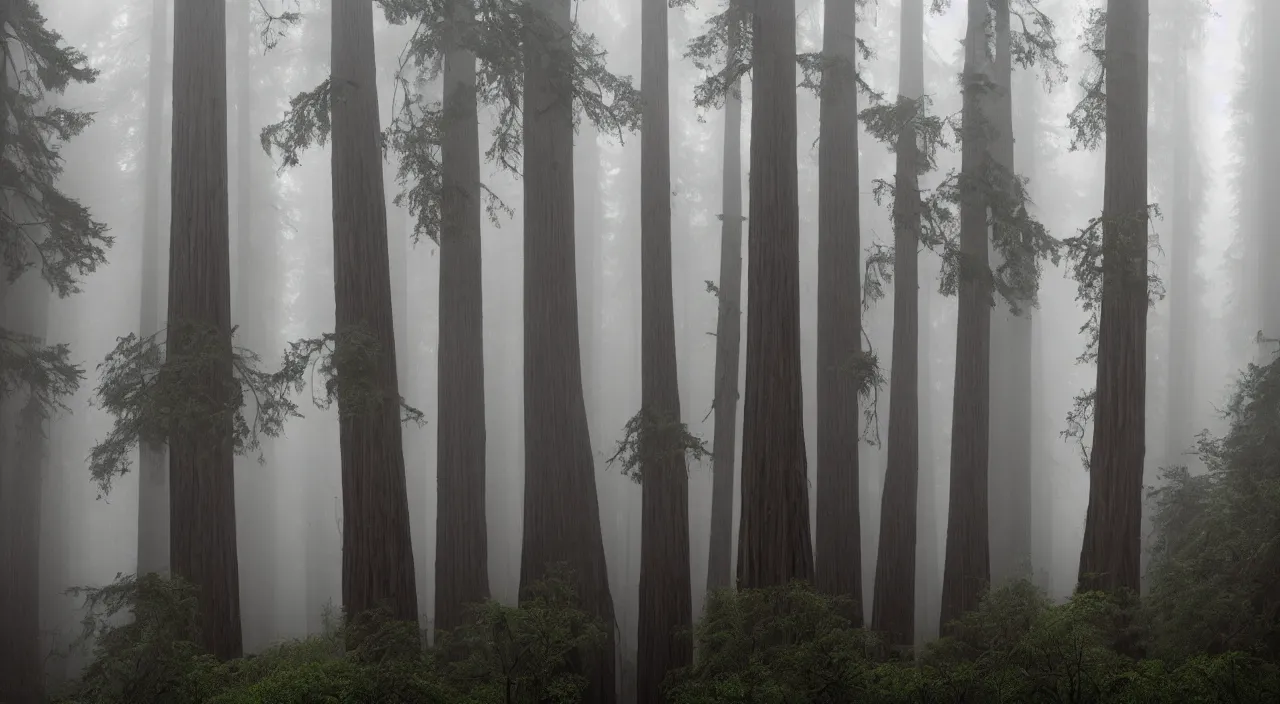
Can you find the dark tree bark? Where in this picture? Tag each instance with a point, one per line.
(1109, 558)
(462, 542)
(24, 309)
(1009, 481)
(202, 512)
(774, 546)
(153, 470)
(666, 606)
(968, 566)
(838, 542)
(377, 552)
(893, 609)
(561, 512)
(728, 337)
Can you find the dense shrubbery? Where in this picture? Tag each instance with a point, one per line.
(1208, 631)
(775, 646)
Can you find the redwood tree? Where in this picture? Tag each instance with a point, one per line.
(1110, 555)
(838, 545)
(967, 568)
(893, 608)
(462, 553)
(1010, 429)
(728, 328)
(774, 547)
(50, 241)
(377, 555)
(202, 512)
(561, 512)
(666, 609)
(153, 472)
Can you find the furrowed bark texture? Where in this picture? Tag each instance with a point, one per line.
(666, 606)
(1009, 481)
(202, 511)
(838, 543)
(561, 512)
(968, 565)
(377, 552)
(1110, 555)
(728, 340)
(153, 470)
(462, 542)
(774, 546)
(893, 608)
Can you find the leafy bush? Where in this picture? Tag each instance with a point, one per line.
(795, 646)
(1215, 567)
(527, 654)
(779, 645)
(503, 655)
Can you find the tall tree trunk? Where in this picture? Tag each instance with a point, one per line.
(929, 547)
(153, 470)
(774, 546)
(202, 511)
(968, 565)
(462, 542)
(22, 441)
(838, 543)
(894, 606)
(728, 334)
(252, 301)
(1109, 557)
(1009, 480)
(561, 511)
(1182, 290)
(377, 551)
(666, 608)
(1028, 131)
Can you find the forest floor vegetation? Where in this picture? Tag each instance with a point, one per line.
(1207, 631)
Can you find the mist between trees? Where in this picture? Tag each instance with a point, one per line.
(715, 350)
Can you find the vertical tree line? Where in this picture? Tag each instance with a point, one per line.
(774, 545)
(838, 539)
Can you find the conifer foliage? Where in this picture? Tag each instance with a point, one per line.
(45, 232)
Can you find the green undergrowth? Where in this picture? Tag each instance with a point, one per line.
(1207, 631)
(774, 646)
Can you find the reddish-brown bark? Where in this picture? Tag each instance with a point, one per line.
(774, 545)
(1110, 556)
(377, 553)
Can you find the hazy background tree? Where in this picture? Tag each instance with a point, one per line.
(894, 603)
(153, 470)
(728, 320)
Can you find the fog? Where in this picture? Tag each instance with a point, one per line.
(288, 506)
